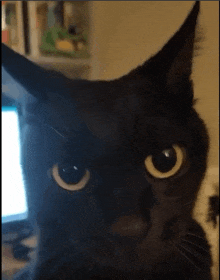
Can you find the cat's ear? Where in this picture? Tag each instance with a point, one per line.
(173, 64)
(20, 71)
(45, 95)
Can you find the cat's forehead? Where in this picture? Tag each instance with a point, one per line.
(118, 97)
(118, 112)
(108, 102)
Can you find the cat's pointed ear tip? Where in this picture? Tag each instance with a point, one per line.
(193, 14)
(196, 7)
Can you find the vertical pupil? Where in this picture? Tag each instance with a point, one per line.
(165, 160)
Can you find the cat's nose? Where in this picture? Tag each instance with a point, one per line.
(131, 225)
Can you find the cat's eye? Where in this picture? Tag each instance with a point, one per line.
(165, 163)
(71, 179)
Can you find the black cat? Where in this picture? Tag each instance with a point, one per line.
(113, 168)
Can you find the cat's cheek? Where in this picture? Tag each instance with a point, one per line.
(170, 187)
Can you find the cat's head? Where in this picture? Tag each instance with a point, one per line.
(112, 167)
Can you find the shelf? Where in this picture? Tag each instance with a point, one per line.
(60, 60)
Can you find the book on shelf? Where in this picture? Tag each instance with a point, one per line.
(12, 26)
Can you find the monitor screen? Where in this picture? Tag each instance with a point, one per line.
(14, 203)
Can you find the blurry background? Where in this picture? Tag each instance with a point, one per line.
(106, 39)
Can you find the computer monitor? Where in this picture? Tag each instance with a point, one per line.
(14, 200)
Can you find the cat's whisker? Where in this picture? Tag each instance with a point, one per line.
(57, 132)
(184, 255)
(187, 241)
(194, 253)
(190, 202)
(200, 237)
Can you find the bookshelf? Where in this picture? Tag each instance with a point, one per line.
(53, 34)
(12, 26)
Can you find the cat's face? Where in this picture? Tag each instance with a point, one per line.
(113, 168)
(145, 161)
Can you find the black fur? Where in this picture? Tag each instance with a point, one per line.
(110, 128)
